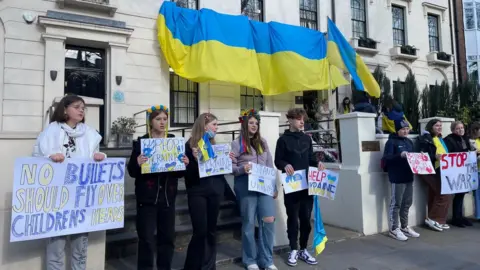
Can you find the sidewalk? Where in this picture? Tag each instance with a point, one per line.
(457, 248)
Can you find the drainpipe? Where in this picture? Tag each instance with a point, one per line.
(454, 44)
(333, 11)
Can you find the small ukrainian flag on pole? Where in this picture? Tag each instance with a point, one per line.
(319, 234)
(206, 148)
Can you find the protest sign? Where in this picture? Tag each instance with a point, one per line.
(323, 183)
(164, 154)
(262, 179)
(295, 182)
(220, 164)
(458, 172)
(420, 163)
(76, 196)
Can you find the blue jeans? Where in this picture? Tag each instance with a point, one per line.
(56, 252)
(255, 206)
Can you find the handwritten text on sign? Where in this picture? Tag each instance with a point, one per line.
(295, 182)
(76, 196)
(420, 163)
(262, 179)
(221, 164)
(163, 155)
(458, 172)
(323, 183)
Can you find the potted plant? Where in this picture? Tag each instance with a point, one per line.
(124, 128)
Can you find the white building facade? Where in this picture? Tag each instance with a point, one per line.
(107, 50)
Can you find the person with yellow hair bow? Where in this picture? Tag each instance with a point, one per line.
(156, 194)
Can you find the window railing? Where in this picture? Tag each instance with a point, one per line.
(409, 50)
(443, 56)
(367, 43)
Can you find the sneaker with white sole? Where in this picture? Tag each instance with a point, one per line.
(292, 258)
(253, 267)
(398, 234)
(271, 267)
(432, 224)
(306, 257)
(409, 232)
(445, 226)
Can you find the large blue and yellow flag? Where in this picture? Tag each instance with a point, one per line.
(319, 234)
(206, 148)
(203, 45)
(342, 55)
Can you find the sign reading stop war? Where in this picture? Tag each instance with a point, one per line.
(76, 196)
(459, 172)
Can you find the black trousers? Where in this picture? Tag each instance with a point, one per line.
(204, 206)
(159, 218)
(299, 206)
(457, 206)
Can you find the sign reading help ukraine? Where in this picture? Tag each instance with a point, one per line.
(164, 155)
(220, 164)
(323, 183)
(459, 172)
(262, 179)
(295, 182)
(76, 196)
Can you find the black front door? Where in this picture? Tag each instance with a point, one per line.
(85, 75)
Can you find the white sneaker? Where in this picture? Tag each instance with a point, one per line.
(432, 224)
(253, 267)
(398, 234)
(306, 257)
(271, 267)
(409, 232)
(445, 226)
(292, 258)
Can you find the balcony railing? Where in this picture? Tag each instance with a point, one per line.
(96, 5)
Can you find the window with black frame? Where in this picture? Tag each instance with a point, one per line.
(251, 98)
(433, 33)
(359, 18)
(469, 14)
(253, 9)
(183, 101)
(191, 4)
(398, 25)
(308, 14)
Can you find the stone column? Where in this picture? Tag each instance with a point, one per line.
(54, 63)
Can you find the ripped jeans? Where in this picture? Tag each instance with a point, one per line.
(56, 252)
(255, 206)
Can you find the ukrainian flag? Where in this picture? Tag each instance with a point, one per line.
(342, 55)
(206, 148)
(203, 45)
(319, 234)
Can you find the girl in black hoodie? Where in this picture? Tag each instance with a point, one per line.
(155, 194)
(295, 152)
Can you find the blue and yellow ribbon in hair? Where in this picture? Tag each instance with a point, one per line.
(203, 45)
(206, 148)
(319, 233)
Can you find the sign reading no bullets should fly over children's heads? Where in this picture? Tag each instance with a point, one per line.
(459, 172)
(323, 183)
(164, 155)
(295, 182)
(262, 179)
(420, 163)
(76, 196)
(220, 164)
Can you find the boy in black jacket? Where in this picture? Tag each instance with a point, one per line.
(294, 152)
(155, 194)
(401, 178)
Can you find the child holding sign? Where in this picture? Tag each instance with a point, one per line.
(155, 193)
(401, 178)
(294, 152)
(67, 136)
(251, 147)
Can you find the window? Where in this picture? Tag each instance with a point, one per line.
(477, 10)
(183, 101)
(433, 35)
(398, 21)
(191, 4)
(251, 98)
(308, 14)
(472, 70)
(253, 9)
(469, 16)
(359, 21)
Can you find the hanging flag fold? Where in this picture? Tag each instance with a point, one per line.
(319, 234)
(342, 55)
(203, 45)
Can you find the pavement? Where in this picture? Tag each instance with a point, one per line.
(454, 249)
